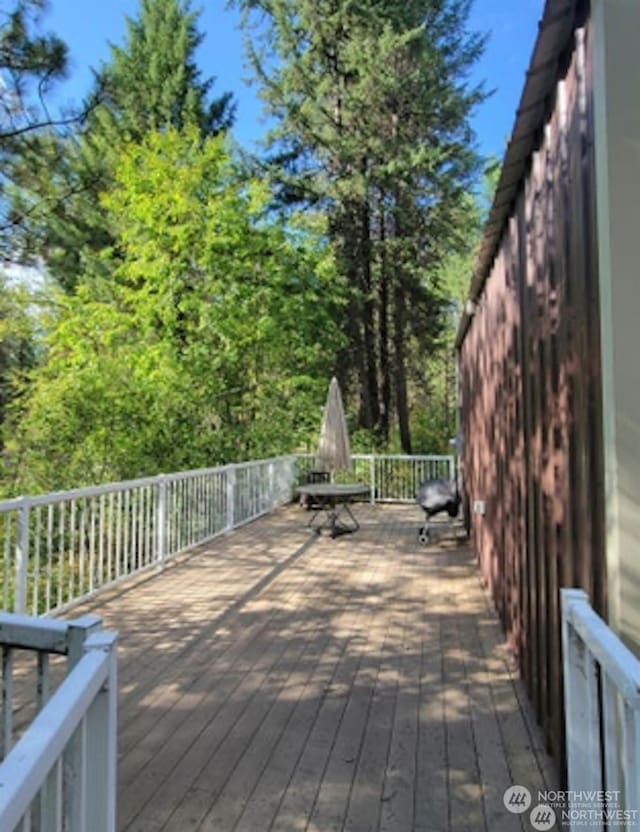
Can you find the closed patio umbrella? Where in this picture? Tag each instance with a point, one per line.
(334, 453)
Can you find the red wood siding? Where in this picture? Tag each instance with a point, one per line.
(530, 384)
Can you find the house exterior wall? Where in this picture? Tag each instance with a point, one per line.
(531, 394)
(617, 143)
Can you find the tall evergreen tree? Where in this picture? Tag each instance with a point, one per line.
(30, 63)
(372, 106)
(150, 83)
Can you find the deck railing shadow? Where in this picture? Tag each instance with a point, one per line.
(343, 690)
(355, 670)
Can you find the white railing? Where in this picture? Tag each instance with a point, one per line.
(60, 774)
(602, 710)
(391, 478)
(58, 548)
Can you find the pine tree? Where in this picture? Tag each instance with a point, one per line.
(151, 83)
(30, 63)
(373, 113)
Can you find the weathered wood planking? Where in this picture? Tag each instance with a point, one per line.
(276, 680)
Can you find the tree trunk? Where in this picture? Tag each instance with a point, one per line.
(368, 319)
(355, 356)
(402, 404)
(385, 362)
(399, 332)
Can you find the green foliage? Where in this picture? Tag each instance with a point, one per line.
(197, 319)
(17, 343)
(30, 63)
(207, 343)
(434, 417)
(372, 107)
(151, 83)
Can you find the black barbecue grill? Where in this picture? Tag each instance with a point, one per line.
(435, 496)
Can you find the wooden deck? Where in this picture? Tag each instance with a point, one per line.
(275, 680)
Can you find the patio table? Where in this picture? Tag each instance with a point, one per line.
(333, 505)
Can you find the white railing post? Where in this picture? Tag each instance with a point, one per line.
(570, 662)
(74, 773)
(582, 714)
(602, 708)
(231, 494)
(78, 632)
(631, 756)
(611, 731)
(101, 735)
(162, 520)
(6, 701)
(22, 557)
(43, 785)
(372, 478)
(271, 478)
(291, 468)
(51, 801)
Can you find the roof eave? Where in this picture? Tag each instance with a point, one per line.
(554, 34)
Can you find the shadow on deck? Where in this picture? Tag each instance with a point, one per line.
(277, 680)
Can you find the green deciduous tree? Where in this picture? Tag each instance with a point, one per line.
(206, 343)
(17, 342)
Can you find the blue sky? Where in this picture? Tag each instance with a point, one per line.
(88, 25)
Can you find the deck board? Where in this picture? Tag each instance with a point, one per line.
(275, 681)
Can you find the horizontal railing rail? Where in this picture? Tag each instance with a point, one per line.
(392, 478)
(58, 548)
(61, 772)
(602, 709)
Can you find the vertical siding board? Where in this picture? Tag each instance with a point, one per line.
(500, 381)
(526, 661)
(545, 405)
(558, 184)
(564, 516)
(514, 447)
(554, 498)
(535, 393)
(595, 444)
(548, 479)
(571, 566)
(530, 379)
(580, 337)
